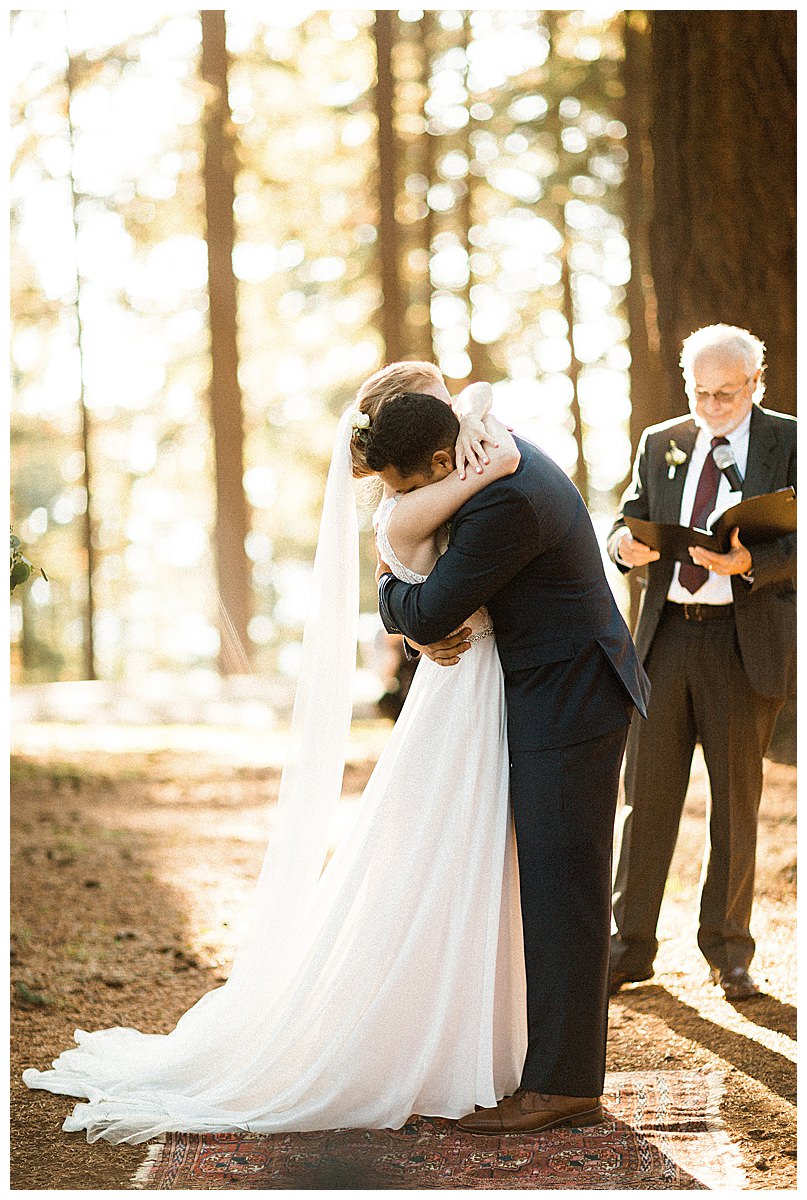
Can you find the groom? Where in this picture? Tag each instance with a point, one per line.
(525, 547)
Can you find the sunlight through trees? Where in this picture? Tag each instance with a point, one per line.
(448, 184)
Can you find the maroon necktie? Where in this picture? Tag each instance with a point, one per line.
(691, 576)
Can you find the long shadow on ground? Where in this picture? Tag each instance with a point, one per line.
(776, 1072)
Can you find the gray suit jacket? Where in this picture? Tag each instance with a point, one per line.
(765, 611)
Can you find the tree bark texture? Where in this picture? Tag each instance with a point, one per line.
(723, 233)
(392, 308)
(648, 396)
(226, 409)
(648, 391)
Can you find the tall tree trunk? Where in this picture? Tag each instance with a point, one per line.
(426, 30)
(87, 531)
(648, 390)
(392, 308)
(581, 470)
(647, 385)
(723, 235)
(477, 352)
(555, 124)
(226, 408)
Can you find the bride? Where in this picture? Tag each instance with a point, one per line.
(390, 982)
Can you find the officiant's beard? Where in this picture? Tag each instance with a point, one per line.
(719, 426)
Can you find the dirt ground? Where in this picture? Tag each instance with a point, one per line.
(131, 872)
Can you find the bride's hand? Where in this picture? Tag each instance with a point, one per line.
(447, 652)
(470, 445)
(382, 568)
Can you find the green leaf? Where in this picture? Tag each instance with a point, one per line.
(19, 573)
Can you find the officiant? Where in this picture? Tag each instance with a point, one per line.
(716, 635)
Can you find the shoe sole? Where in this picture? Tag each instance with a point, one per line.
(614, 989)
(591, 1116)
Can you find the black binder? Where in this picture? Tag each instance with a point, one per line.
(760, 519)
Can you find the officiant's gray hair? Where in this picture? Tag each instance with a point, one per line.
(733, 340)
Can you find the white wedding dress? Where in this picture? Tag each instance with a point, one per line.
(395, 984)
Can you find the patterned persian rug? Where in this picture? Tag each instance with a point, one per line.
(663, 1132)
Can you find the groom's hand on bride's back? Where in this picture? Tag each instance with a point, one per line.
(447, 652)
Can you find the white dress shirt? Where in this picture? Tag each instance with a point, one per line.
(717, 588)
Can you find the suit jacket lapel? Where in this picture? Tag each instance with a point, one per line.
(671, 490)
(761, 454)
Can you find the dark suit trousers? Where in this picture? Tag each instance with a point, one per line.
(700, 692)
(563, 803)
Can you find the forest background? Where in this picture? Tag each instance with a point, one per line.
(221, 222)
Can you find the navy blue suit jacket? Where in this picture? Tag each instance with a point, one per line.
(525, 547)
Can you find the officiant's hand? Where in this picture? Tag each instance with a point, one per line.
(447, 652)
(633, 553)
(736, 561)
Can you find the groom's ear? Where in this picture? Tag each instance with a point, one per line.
(443, 460)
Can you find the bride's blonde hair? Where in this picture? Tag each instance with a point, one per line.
(397, 377)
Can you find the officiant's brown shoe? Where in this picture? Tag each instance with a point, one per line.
(736, 983)
(531, 1112)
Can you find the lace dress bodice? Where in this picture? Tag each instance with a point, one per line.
(479, 622)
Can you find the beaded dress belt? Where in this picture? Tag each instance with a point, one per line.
(700, 612)
(483, 633)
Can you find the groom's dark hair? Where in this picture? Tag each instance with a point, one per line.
(407, 431)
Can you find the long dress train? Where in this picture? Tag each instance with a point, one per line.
(401, 987)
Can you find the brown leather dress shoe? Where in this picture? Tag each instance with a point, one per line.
(531, 1112)
(736, 983)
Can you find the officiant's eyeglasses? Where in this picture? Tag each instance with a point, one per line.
(719, 397)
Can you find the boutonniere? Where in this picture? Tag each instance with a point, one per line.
(674, 458)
